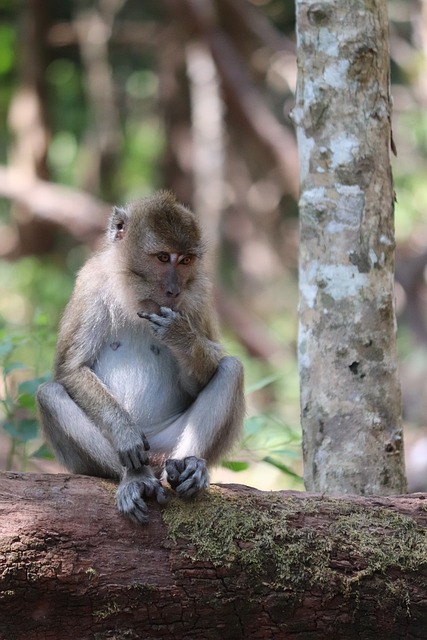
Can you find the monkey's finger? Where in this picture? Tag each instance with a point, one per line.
(130, 504)
(161, 321)
(141, 457)
(194, 478)
(174, 467)
(167, 312)
(162, 496)
(145, 442)
(193, 465)
(155, 490)
(154, 318)
(139, 512)
(133, 459)
(193, 485)
(188, 489)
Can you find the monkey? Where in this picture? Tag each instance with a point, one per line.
(142, 391)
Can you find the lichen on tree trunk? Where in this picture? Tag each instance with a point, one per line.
(350, 392)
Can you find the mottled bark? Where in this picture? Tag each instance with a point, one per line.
(236, 564)
(350, 394)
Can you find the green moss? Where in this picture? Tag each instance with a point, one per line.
(285, 543)
(109, 485)
(91, 573)
(109, 610)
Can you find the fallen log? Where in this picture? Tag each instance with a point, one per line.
(236, 563)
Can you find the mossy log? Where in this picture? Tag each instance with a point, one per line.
(236, 563)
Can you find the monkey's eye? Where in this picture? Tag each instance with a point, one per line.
(186, 260)
(163, 257)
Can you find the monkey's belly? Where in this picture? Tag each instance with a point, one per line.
(144, 377)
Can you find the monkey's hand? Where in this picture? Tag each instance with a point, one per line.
(161, 323)
(132, 451)
(197, 355)
(187, 476)
(134, 487)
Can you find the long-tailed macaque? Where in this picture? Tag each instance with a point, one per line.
(142, 391)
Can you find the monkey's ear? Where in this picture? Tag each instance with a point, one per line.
(118, 224)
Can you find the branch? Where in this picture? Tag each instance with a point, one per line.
(410, 273)
(237, 563)
(243, 99)
(125, 33)
(79, 213)
(253, 20)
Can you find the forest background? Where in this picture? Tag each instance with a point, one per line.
(104, 102)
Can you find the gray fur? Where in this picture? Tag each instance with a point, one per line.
(129, 390)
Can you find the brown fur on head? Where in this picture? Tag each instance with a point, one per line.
(157, 223)
(151, 226)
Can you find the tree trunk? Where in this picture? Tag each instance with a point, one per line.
(28, 122)
(350, 394)
(235, 564)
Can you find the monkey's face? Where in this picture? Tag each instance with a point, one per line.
(163, 279)
(161, 246)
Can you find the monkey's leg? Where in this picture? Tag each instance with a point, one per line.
(82, 448)
(210, 427)
(78, 444)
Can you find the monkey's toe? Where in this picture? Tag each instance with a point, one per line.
(130, 503)
(153, 488)
(188, 476)
(174, 467)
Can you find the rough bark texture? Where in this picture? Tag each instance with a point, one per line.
(350, 394)
(236, 564)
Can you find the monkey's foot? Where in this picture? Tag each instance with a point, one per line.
(131, 493)
(187, 476)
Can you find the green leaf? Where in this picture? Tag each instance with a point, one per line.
(261, 384)
(43, 453)
(41, 319)
(30, 386)
(12, 366)
(282, 467)
(23, 430)
(9, 427)
(290, 453)
(234, 465)
(26, 401)
(253, 425)
(6, 348)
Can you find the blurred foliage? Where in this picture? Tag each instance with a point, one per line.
(19, 384)
(410, 171)
(32, 292)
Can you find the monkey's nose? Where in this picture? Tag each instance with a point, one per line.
(173, 292)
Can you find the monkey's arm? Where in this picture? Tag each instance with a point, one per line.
(189, 339)
(78, 346)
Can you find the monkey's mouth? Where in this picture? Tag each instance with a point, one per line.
(172, 305)
(148, 305)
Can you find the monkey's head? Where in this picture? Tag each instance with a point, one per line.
(161, 248)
